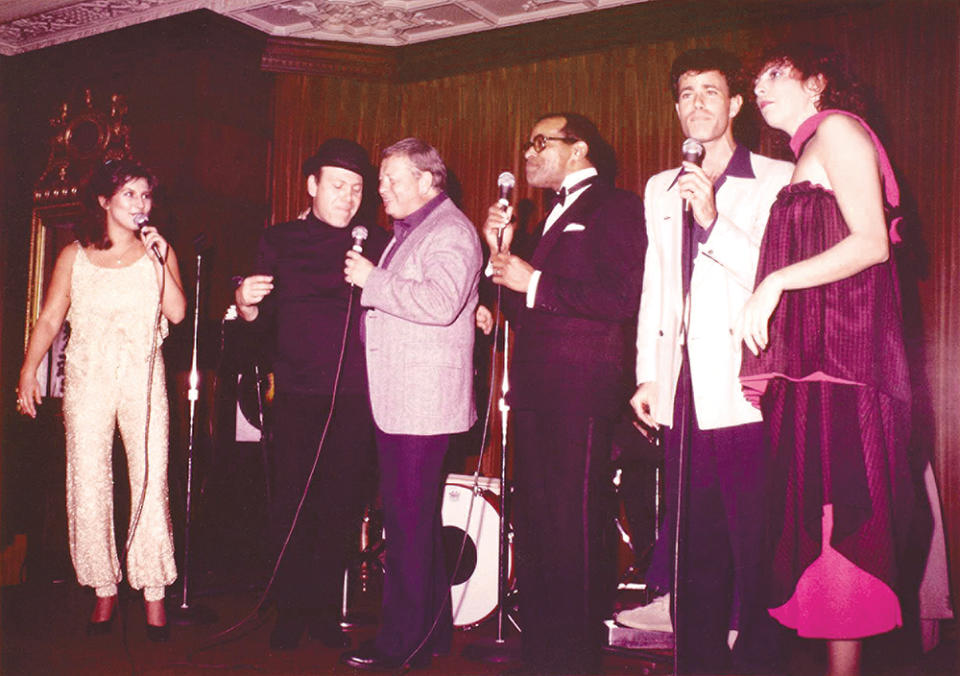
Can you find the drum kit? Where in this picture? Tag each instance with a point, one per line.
(478, 541)
(474, 531)
(476, 513)
(472, 511)
(471, 521)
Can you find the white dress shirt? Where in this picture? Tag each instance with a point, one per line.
(554, 215)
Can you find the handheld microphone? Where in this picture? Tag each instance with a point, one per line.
(691, 151)
(359, 234)
(140, 220)
(506, 182)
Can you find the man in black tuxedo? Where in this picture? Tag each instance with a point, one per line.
(573, 306)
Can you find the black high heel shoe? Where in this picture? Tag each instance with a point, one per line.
(100, 628)
(103, 627)
(158, 634)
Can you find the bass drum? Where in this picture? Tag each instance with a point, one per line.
(473, 590)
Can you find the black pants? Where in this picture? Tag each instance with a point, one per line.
(724, 554)
(415, 588)
(310, 577)
(564, 538)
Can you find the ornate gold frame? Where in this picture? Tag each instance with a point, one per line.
(43, 251)
(82, 137)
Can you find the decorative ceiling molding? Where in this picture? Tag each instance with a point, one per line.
(27, 25)
(337, 59)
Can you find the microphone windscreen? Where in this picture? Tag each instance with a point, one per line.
(505, 184)
(359, 234)
(692, 151)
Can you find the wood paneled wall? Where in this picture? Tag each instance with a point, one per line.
(227, 123)
(476, 97)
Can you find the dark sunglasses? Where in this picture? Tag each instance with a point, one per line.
(539, 142)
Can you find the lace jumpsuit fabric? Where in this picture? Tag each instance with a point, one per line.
(112, 313)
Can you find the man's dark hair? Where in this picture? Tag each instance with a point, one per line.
(703, 60)
(599, 153)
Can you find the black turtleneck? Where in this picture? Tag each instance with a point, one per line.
(306, 310)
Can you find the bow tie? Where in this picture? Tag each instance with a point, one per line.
(560, 196)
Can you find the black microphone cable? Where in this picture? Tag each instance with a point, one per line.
(475, 492)
(223, 637)
(475, 487)
(135, 518)
(692, 151)
(140, 220)
(136, 512)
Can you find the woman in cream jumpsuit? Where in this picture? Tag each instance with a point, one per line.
(107, 286)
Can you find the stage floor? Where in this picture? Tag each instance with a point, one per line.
(43, 633)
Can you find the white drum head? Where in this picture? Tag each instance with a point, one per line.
(474, 586)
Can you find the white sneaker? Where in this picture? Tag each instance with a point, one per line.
(655, 616)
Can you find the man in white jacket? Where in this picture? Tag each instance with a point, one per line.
(688, 364)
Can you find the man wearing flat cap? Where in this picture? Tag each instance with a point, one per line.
(298, 296)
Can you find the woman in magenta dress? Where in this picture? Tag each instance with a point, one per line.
(827, 363)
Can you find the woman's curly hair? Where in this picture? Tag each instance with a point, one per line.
(841, 89)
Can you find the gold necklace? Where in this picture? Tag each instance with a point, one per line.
(125, 252)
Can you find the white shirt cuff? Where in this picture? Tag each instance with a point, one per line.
(532, 288)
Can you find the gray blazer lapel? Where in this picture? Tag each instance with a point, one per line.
(419, 233)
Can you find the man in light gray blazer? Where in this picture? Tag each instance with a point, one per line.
(688, 364)
(419, 332)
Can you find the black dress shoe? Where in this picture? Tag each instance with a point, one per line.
(287, 630)
(100, 628)
(367, 657)
(158, 634)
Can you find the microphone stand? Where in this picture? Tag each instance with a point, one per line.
(185, 614)
(686, 402)
(503, 591)
(499, 650)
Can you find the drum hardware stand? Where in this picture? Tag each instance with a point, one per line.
(231, 315)
(264, 454)
(186, 614)
(632, 578)
(499, 650)
(367, 564)
(627, 580)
